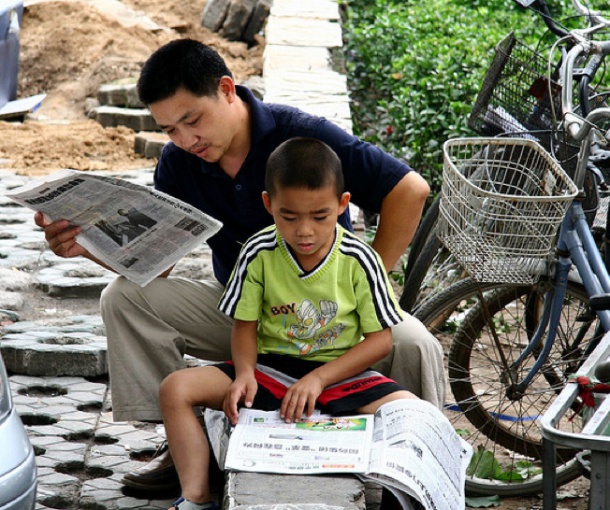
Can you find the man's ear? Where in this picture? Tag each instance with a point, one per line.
(226, 88)
(267, 201)
(344, 202)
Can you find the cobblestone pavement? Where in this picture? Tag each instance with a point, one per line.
(59, 370)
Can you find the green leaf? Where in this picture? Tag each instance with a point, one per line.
(483, 502)
(483, 464)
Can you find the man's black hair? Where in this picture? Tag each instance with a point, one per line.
(182, 63)
(303, 163)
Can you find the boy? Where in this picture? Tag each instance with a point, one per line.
(312, 309)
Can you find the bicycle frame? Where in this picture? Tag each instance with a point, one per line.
(575, 239)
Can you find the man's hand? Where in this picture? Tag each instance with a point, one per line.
(241, 390)
(301, 398)
(60, 236)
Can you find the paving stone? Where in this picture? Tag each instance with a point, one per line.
(280, 58)
(303, 32)
(71, 278)
(320, 9)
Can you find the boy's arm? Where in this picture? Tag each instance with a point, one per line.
(301, 396)
(244, 355)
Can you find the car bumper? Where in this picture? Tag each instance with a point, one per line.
(18, 483)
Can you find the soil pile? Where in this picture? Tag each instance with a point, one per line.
(69, 49)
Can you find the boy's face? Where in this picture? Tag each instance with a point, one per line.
(306, 219)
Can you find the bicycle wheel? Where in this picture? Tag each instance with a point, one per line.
(505, 422)
(434, 270)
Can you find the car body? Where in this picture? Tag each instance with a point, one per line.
(17, 461)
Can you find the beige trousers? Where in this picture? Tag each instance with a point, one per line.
(151, 328)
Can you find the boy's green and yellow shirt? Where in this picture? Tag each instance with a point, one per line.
(317, 314)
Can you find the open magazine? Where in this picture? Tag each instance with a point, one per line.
(408, 446)
(135, 230)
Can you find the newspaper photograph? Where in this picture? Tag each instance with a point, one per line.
(408, 446)
(135, 230)
(261, 441)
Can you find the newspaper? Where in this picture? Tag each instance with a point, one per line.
(135, 230)
(408, 446)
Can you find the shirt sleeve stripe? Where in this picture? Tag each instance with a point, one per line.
(264, 240)
(386, 310)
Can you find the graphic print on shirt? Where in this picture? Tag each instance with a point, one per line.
(310, 320)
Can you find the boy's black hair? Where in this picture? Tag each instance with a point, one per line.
(182, 63)
(303, 163)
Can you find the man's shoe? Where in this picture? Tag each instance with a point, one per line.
(158, 475)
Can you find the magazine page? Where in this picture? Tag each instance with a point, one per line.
(261, 441)
(416, 450)
(137, 231)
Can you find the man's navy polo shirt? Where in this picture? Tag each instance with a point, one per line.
(370, 174)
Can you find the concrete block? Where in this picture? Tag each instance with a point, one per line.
(237, 18)
(133, 100)
(214, 14)
(320, 9)
(303, 32)
(257, 20)
(150, 144)
(125, 95)
(280, 58)
(260, 491)
(138, 119)
(42, 359)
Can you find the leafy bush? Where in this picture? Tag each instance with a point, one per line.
(415, 68)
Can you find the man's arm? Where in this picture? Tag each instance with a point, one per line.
(399, 217)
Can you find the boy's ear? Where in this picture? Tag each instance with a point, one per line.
(344, 202)
(267, 201)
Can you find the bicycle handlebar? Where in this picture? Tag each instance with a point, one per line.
(541, 8)
(594, 17)
(578, 128)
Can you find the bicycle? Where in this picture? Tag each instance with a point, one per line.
(501, 109)
(520, 336)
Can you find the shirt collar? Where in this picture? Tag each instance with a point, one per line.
(262, 121)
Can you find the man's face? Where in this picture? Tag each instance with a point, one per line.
(306, 220)
(203, 126)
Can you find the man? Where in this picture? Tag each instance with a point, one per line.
(221, 137)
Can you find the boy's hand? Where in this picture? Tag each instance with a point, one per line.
(240, 390)
(301, 398)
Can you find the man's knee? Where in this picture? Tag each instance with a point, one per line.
(115, 293)
(411, 337)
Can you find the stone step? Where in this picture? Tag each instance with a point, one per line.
(138, 119)
(150, 143)
(117, 94)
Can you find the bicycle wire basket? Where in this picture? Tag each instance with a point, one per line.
(514, 96)
(502, 201)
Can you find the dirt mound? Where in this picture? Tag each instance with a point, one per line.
(69, 49)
